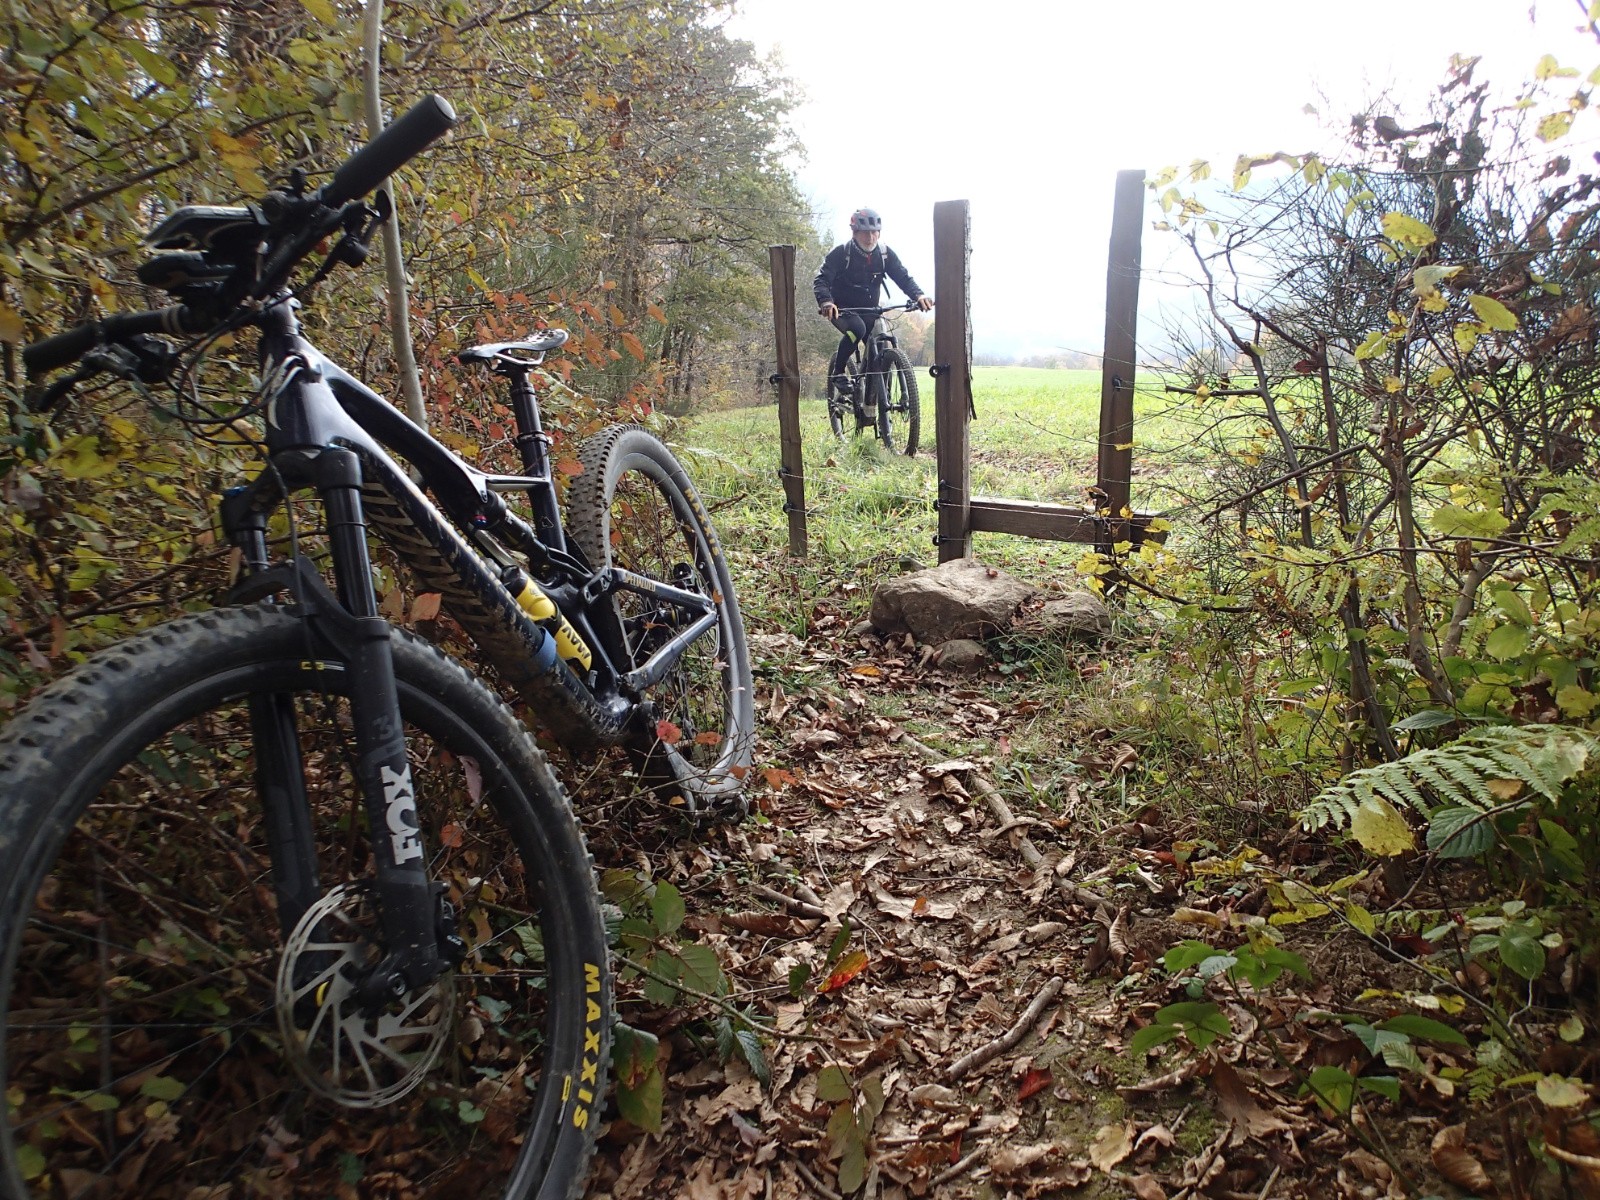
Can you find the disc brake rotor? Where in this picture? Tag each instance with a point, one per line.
(336, 1047)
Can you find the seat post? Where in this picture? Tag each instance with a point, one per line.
(533, 445)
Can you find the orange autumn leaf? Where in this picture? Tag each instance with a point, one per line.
(450, 835)
(668, 732)
(632, 345)
(425, 607)
(846, 969)
(707, 739)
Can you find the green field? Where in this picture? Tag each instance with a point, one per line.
(1034, 438)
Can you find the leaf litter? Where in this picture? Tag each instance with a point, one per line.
(962, 917)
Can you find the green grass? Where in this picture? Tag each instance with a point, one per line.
(1035, 438)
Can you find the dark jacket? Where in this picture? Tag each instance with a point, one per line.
(852, 278)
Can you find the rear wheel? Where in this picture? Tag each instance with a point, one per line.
(178, 1024)
(899, 408)
(633, 507)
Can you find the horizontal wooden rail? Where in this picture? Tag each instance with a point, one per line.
(1054, 522)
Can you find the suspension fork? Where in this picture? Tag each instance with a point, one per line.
(280, 770)
(406, 900)
(409, 910)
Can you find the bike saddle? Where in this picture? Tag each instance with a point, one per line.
(537, 344)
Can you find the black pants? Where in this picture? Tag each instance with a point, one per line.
(854, 328)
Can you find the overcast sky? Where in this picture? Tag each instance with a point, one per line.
(1027, 109)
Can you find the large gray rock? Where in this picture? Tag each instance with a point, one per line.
(958, 599)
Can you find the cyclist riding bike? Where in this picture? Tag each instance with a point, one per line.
(851, 278)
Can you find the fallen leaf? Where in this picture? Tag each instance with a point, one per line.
(1235, 1101)
(1559, 1092)
(846, 969)
(1033, 1082)
(1013, 1160)
(1199, 916)
(1456, 1163)
(934, 1095)
(1146, 1187)
(1111, 1145)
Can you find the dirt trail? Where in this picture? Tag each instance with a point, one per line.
(1004, 960)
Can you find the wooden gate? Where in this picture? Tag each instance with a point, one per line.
(961, 514)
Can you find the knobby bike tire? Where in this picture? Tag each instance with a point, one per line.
(140, 938)
(899, 407)
(632, 506)
(838, 409)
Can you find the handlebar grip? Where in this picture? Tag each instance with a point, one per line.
(74, 343)
(61, 349)
(396, 144)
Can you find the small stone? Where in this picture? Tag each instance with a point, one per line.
(961, 654)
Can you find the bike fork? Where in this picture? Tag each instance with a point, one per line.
(410, 911)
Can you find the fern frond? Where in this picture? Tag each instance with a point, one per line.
(1541, 757)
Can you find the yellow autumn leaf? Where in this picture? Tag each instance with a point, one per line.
(1380, 829)
(1374, 343)
(322, 10)
(1503, 789)
(24, 149)
(1466, 337)
(1492, 313)
(1549, 68)
(10, 324)
(1409, 232)
(1392, 383)
(1554, 127)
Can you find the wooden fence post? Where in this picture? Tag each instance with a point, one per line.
(792, 470)
(952, 355)
(1117, 370)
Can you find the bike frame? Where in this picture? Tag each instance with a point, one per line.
(329, 433)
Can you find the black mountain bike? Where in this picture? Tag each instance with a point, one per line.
(881, 388)
(289, 899)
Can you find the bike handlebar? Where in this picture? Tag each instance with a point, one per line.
(74, 343)
(901, 306)
(399, 142)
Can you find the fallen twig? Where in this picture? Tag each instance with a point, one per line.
(983, 1054)
(823, 1190)
(1030, 853)
(799, 907)
(960, 1168)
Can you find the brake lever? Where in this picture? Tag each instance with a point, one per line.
(44, 401)
(143, 357)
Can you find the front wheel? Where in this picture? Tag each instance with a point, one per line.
(180, 939)
(899, 408)
(633, 507)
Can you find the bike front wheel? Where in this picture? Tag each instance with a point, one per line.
(633, 507)
(899, 407)
(176, 1027)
